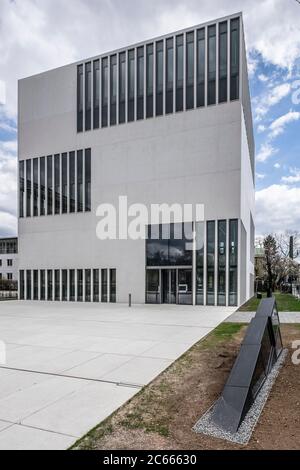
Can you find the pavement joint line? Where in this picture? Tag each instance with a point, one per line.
(19, 423)
(53, 374)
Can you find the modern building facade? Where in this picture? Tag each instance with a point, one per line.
(161, 122)
(9, 259)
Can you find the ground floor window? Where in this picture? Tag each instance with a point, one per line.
(49, 285)
(104, 285)
(112, 285)
(72, 285)
(69, 285)
(22, 285)
(43, 284)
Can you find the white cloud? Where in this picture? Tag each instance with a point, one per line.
(262, 78)
(260, 176)
(277, 209)
(277, 127)
(266, 151)
(261, 128)
(269, 99)
(277, 166)
(293, 178)
(8, 188)
(2, 93)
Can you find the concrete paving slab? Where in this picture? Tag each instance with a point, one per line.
(23, 403)
(94, 342)
(18, 437)
(140, 370)
(92, 404)
(4, 425)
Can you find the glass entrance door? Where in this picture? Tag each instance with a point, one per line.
(168, 279)
(185, 287)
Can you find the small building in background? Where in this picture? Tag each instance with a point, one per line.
(8, 264)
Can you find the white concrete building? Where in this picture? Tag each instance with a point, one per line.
(8, 259)
(164, 121)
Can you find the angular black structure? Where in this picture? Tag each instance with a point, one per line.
(259, 352)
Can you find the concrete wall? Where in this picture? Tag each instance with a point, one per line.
(190, 157)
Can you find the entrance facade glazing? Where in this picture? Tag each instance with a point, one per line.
(193, 263)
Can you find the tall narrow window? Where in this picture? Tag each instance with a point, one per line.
(104, 104)
(211, 86)
(190, 70)
(72, 285)
(35, 285)
(113, 90)
(72, 188)
(179, 73)
(42, 186)
(169, 75)
(104, 285)
(80, 98)
(43, 284)
(149, 81)
(96, 285)
(122, 87)
(49, 285)
(201, 67)
(233, 262)
(234, 58)
(159, 77)
(28, 188)
(222, 262)
(57, 284)
(22, 285)
(49, 185)
(22, 189)
(79, 181)
(112, 285)
(79, 285)
(88, 96)
(87, 180)
(131, 84)
(200, 263)
(223, 62)
(140, 83)
(28, 285)
(64, 275)
(87, 285)
(57, 183)
(211, 263)
(96, 94)
(35, 187)
(64, 180)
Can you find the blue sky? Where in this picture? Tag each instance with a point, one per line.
(34, 38)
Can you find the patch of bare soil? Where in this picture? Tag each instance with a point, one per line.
(162, 415)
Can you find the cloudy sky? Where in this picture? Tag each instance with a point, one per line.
(36, 35)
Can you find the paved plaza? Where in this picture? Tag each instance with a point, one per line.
(69, 366)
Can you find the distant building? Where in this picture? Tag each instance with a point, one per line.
(9, 259)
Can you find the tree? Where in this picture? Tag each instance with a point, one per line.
(272, 260)
(284, 244)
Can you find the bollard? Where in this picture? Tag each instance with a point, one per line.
(129, 301)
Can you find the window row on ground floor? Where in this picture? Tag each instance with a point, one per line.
(74, 285)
